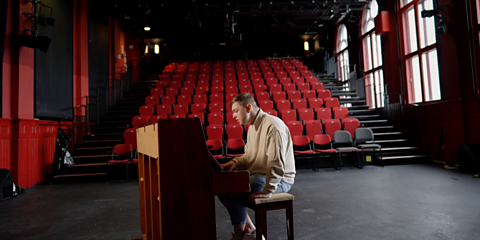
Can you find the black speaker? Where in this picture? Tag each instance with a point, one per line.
(40, 42)
(6, 184)
(468, 156)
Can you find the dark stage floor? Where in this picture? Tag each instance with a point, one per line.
(423, 201)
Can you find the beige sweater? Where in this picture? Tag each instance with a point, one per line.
(269, 150)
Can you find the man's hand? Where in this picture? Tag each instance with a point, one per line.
(253, 196)
(229, 165)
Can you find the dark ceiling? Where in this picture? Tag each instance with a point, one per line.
(203, 18)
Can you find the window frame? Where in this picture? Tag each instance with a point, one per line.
(341, 54)
(377, 102)
(419, 52)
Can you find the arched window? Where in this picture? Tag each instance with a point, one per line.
(372, 57)
(342, 53)
(419, 51)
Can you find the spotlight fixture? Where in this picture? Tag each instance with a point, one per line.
(146, 29)
(45, 21)
(157, 49)
(305, 45)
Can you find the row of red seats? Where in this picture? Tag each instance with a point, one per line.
(273, 92)
(217, 115)
(308, 128)
(307, 75)
(309, 100)
(311, 82)
(239, 63)
(266, 72)
(195, 68)
(302, 133)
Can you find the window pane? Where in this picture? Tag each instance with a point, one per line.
(379, 88)
(431, 81)
(367, 53)
(374, 51)
(346, 65)
(404, 2)
(413, 80)
(410, 31)
(379, 50)
(342, 38)
(369, 93)
(478, 11)
(426, 25)
(340, 66)
(369, 17)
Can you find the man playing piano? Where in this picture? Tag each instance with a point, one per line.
(268, 157)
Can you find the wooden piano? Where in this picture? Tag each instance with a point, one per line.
(178, 181)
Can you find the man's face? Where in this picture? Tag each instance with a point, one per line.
(241, 114)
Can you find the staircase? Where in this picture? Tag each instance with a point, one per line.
(91, 157)
(396, 149)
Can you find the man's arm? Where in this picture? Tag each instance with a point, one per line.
(275, 162)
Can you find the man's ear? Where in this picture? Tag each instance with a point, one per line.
(249, 108)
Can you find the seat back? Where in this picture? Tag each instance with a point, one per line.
(122, 149)
(295, 127)
(146, 110)
(130, 137)
(234, 131)
(340, 112)
(331, 102)
(214, 131)
(313, 128)
(350, 125)
(300, 140)
(331, 126)
(342, 138)
(363, 135)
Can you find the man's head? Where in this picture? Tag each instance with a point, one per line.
(244, 108)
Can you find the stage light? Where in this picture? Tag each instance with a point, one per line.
(305, 45)
(146, 29)
(157, 49)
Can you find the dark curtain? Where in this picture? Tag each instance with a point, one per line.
(3, 29)
(97, 59)
(54, 69)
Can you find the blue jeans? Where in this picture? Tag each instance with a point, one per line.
(236, 203)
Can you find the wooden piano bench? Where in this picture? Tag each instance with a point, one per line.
(275, 202)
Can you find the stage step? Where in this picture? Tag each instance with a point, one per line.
(339, 94)
(87, 165)
(361, 111)
(102, 143)
(366, 116)
(80, 175)
(387, 135)
(387, 141)
(358, 107)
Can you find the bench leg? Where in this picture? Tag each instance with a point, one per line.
(260, 221)
(289, 212)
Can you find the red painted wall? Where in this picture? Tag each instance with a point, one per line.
(80, 55)
(116, 49)
(35, 141)
(27, 146)
(7, 68)
(5, 142)
(133, 54)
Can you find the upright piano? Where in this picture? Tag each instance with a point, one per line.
(178, 181)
